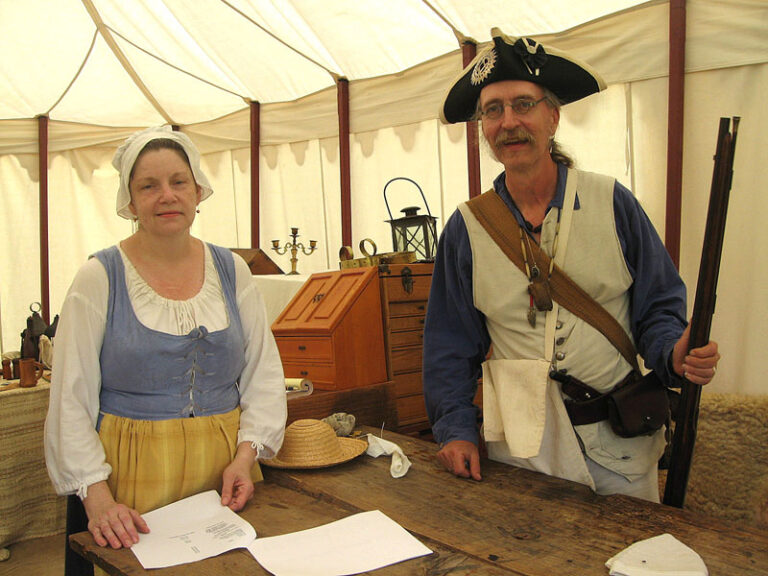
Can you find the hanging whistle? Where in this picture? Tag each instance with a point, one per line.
(532, 317)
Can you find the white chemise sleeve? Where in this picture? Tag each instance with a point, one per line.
(73, 452)
(262, 382)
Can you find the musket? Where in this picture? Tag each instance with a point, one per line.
(684, 437)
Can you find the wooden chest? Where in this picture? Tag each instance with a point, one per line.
(404, 295)
(331, 331)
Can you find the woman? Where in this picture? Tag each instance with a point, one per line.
(166, 378)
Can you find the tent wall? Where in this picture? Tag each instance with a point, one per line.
(394, 133)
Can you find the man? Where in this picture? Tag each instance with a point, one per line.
(482, 313)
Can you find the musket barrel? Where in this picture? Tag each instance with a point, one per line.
(684, 437)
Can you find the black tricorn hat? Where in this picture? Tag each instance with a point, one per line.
(518, 59)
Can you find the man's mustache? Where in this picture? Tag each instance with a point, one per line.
(516, 136)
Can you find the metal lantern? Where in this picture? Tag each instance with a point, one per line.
(413, 232)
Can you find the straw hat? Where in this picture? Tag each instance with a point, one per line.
(313, 444)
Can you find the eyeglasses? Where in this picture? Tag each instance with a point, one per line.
(521, 107)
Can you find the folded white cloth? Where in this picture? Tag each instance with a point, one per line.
(378, 446)
(662, 555)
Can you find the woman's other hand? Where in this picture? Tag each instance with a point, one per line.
(237, 486)
(111, 523)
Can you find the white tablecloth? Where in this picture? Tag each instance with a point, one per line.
(278, 289)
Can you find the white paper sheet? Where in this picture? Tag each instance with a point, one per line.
(191, 529)
(355, 544)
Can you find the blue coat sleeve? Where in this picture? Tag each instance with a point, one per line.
(658, 295)
(456, 340)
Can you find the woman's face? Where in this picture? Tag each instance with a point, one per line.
(164, 195)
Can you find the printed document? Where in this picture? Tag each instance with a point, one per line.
(189, 530)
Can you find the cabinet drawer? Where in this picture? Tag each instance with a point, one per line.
(409, 338)
(406, 323)
(415, 308)
(408, 384)
(411, 409)
(406, 360)
(323, 376)
(398, 291)
(298, 349)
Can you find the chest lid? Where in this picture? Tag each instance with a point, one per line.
(325, 299)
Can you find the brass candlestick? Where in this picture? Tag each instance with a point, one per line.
(294, 247)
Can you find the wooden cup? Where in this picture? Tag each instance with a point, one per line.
(30, 372)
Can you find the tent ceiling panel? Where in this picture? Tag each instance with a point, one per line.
(195, 61)
(232, 51)
(523, 17)
(264, 50)
(372, 38)
(42, 45)
(104, 91)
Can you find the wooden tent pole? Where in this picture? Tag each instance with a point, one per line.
(42, 155)
(468, 52)
(675, 128)
(342, 96)
(255, 195)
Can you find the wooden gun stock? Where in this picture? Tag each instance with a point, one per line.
(703, 309)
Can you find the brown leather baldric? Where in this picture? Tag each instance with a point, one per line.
(494, 215)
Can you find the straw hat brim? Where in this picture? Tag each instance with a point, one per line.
(313, 444)
(351, 448)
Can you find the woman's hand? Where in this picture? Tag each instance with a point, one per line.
(237, 486)
(111, 523)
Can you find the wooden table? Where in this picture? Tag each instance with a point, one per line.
(514, 522)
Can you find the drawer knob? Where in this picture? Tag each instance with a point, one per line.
(302, 347)
(304, 373)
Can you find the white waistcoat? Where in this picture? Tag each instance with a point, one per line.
(525, 422)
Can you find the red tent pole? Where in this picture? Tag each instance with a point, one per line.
(255, 196)
(468, 52)
(675, 128)
(42, 155)
(342, 95)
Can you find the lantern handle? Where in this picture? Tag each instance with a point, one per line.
(429, 213)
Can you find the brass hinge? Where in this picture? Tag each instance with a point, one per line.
(407, 280)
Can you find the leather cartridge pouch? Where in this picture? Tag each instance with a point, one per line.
(638, 406)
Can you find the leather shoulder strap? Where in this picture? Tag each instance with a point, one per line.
(491, 211)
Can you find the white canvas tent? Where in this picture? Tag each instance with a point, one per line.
(99, 69)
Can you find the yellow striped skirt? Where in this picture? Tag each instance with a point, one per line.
(156, 462)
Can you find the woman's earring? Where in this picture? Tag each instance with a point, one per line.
(198, 210)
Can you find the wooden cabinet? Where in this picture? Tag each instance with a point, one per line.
(331, 331)
(404, 295)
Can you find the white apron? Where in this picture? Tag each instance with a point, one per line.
(524, 419)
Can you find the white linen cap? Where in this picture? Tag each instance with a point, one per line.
(126, 155)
